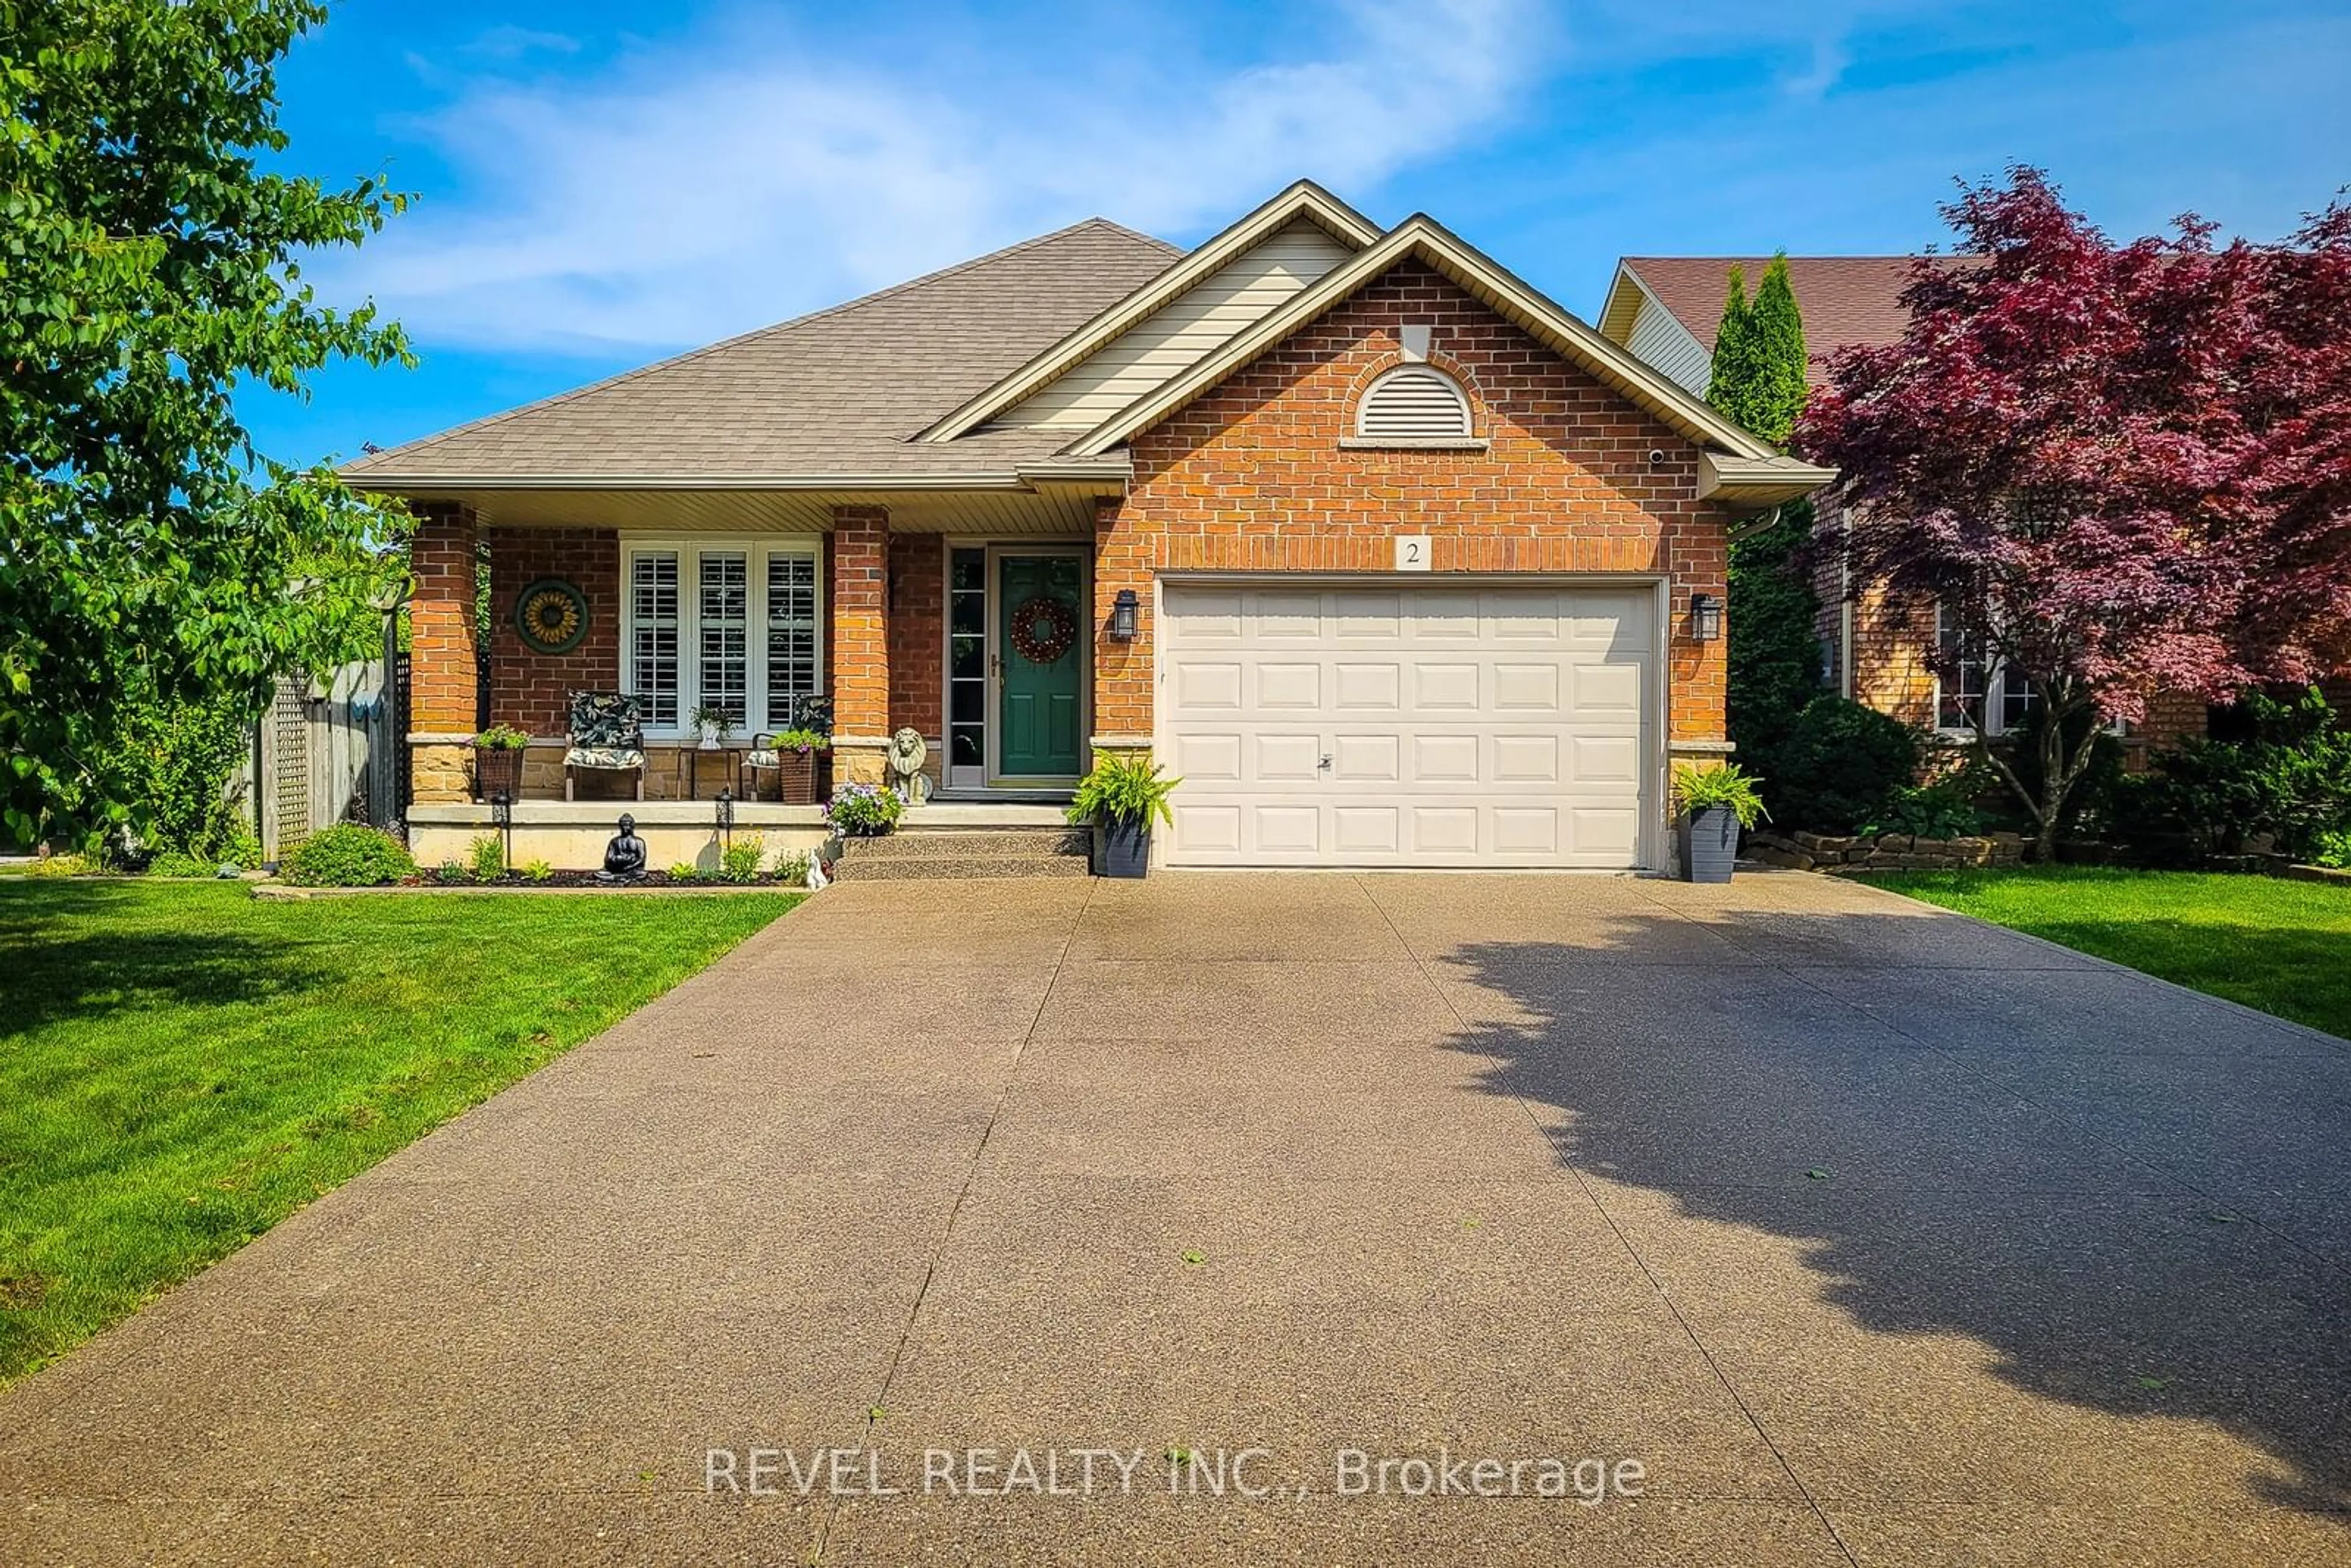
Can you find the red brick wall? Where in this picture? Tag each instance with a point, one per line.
(860, 644)
(1252, 477)
(533, 691)
(442, 640)
(918, 586)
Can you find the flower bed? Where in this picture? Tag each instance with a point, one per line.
(1888, 852)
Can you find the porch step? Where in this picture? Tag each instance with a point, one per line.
(966, 843)
(961, 855)
(951, 867)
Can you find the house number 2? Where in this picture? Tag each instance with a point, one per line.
(1412, 552)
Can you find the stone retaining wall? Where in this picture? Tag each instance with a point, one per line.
(1888, 852)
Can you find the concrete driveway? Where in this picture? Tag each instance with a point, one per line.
(1866, 1233)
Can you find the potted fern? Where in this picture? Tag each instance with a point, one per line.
(497, 761)
(1715, 804)
(1120, 799)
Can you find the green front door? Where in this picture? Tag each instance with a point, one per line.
(1042, 654)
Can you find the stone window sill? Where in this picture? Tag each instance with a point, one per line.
(1407, 444)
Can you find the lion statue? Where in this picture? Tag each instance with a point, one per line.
(907, 755)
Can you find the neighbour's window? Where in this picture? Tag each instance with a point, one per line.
(1969, 676)
(1413, 403)
(746, 640)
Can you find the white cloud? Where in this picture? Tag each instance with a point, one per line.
(712, 187)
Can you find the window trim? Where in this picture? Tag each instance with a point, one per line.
(757, 550)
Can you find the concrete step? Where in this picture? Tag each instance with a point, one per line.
(967, 844)
(951, 867)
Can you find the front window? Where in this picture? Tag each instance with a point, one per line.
(723, 625)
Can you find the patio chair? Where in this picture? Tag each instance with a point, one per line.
(608, 733)
(806, 713)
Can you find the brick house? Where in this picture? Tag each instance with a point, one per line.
(1665, 310)
(1395, 560)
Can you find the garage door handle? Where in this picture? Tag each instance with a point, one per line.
(1325, 764)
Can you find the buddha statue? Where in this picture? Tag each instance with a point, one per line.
(624, 857)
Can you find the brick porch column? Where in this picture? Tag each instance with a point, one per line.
(443, 672)
(860, 643)
(1123, 689)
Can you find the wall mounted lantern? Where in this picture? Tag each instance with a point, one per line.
(1706, 618)
(1123, 612)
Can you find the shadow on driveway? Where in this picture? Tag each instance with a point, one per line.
(1810, 1122)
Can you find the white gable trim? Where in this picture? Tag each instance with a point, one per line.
(1303, 200)
(1422, 238)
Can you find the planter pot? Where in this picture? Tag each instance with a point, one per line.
(1710, 844)
(795, 778)
(1121, 850)
(497, 772)
(710, 742)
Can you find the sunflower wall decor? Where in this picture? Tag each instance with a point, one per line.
(1043, 629)
(552, 616)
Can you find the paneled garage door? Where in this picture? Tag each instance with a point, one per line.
(1408, 726)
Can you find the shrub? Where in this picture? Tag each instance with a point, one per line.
(792, 868)
(486, 858)
(739, 862)
(346, 855)
(1841, 765)
(1946, 809)
(536, 870)
(172, 762)
(1729, 786)
(864, 810)
(2289, 781)
(173, 863)
(449, 874)
(685, 871)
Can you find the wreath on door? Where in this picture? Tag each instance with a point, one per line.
(1043, 629)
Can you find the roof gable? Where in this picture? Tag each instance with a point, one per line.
(837, 393)
(1848, 301)
(1422, 238)
(1177, 310)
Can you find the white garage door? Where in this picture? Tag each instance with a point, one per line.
(1408, 726)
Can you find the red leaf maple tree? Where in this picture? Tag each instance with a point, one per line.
(2118, 468)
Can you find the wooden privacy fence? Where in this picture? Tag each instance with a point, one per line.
(327, 750)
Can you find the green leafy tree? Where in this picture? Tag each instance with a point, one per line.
(1758, 379)
(152, 268)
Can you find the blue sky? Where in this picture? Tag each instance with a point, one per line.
(601, 184)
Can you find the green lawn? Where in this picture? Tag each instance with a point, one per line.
(2282, 947)
(182, 1065)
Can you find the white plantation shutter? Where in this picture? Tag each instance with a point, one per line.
(1413, 403)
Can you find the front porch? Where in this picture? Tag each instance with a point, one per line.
(974, 621)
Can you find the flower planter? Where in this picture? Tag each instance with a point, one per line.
(497, 772)
(1710, 844)
(1121, 850)
(797, 780)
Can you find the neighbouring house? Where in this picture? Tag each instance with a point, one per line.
(1392, 559)
(1666, 309)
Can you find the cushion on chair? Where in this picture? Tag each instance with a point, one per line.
(603, 757)
(813, 713)
(764, 758)
(606, 721)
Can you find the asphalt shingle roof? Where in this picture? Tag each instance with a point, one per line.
(836, 392)
(1848, 301)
